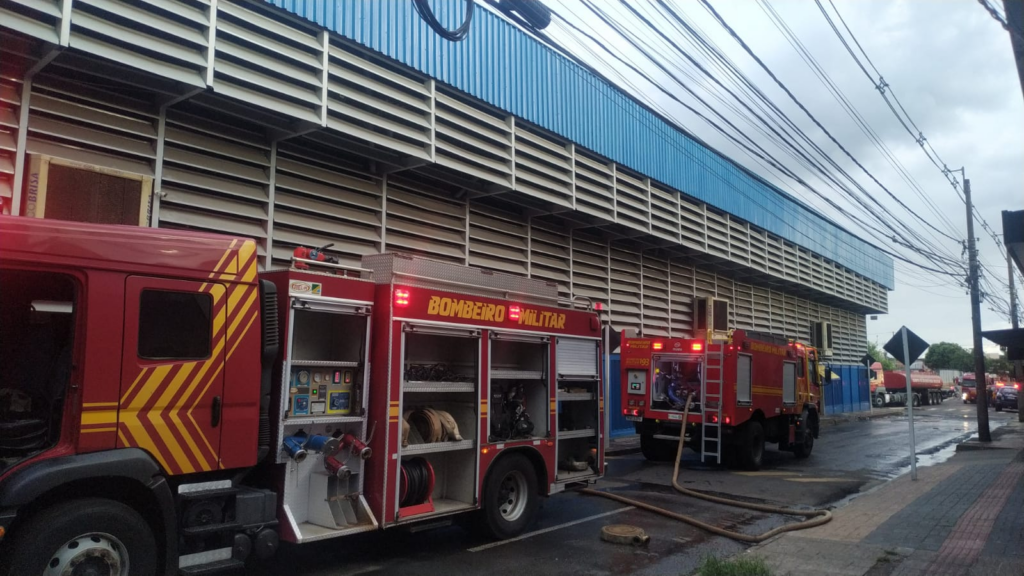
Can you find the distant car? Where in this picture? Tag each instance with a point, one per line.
(1006, 397)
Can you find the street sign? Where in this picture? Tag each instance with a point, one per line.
(868, 360)
(916, 346)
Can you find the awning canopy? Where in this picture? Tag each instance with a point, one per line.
(1012, 339)
(1013, 236)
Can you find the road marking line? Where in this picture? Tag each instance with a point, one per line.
(819, 480)
(551, 529)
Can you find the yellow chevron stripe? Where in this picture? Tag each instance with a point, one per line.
(162, 428)
(130, 416)
(99, 417)
(240, 337)
(97, 404)
(767, 391)
(176, 413)
(132, 387)
(91, 430)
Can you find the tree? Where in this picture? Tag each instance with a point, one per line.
(880, 356)
(948, 356)
(999, 365)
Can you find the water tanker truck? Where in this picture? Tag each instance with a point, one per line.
(889, 388)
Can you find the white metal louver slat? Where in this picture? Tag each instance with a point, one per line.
(424, 224)
(550, 256)
(656, 297)
(213, 182)
(744, 378)
(97, 133)
(762, 310)
(632, 200)
(758, 249)
(739, 242)
(665, 213)
(497, 241)
(544, 166)
(682, 300)
(717, 233)
(316, 204)
(472, 140)
(576, 357)
(269, 63)
(590, 275)
(595, 186)
(98, 29)
(724, 288)
(744, 306)
(627, 288)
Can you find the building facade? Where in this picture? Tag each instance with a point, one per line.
(306, 123)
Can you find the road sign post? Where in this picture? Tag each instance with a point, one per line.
(907, 348)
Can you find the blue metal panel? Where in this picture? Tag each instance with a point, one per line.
(500, 65)
(850, 392)
(619, 426)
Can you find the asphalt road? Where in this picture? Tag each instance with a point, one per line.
(848, 458)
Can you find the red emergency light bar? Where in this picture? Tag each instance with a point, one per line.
(697, 347)
(401, 298)
(657, 346)
(513, 312)
(598, 306)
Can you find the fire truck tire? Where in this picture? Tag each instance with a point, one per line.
(917, 400)
(657, 450)
(101, 536)
(803, 449)
(511, 499)
(750, 447)
(879, 401)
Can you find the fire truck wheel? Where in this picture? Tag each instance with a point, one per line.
(87, 536)
(879, 401)
(917, 400)
(751, 445)
(656, 449)
(803, 449)
(510, 497)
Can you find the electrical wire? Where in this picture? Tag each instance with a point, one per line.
(620, 28)
(427, 14)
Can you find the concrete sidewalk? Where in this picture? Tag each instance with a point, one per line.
(964, 517)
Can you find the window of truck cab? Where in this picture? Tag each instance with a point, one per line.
(38, 316)
(175, 325)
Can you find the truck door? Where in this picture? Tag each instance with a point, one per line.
(172, 375)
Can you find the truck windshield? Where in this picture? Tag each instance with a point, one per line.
(37, 315)
(968, 384)
(674, 379)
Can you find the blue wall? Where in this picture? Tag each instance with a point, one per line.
(503, 66)
(850, 393)
(619, 425)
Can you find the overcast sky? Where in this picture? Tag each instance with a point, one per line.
(949, 63)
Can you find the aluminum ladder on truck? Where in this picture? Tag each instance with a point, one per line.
(711, 405)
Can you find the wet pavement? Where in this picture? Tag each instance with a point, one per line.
(849, 458)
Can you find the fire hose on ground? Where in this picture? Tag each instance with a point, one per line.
(814, 517)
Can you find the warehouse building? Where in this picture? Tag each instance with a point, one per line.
(306, 123)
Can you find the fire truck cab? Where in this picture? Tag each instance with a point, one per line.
(746, 389)
(165, 406)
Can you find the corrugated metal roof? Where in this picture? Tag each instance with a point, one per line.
(501, 65)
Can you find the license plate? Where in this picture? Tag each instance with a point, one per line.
(635, 418)
(675, 416)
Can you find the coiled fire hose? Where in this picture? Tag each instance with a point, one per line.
(814, 517)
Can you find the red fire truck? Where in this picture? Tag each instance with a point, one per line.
(165, 407)
(747, 389)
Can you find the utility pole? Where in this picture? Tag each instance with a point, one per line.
(984, 434)
(1013, 318)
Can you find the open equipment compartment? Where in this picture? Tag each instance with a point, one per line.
(321, 417)
(518, 377)
(439, 403)
(578, 417)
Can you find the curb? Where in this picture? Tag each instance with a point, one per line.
(832, 421)
(975, 446)
(623, 451)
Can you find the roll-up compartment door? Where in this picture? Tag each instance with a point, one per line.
(577, 357)
(789, 383)
(743, 379)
